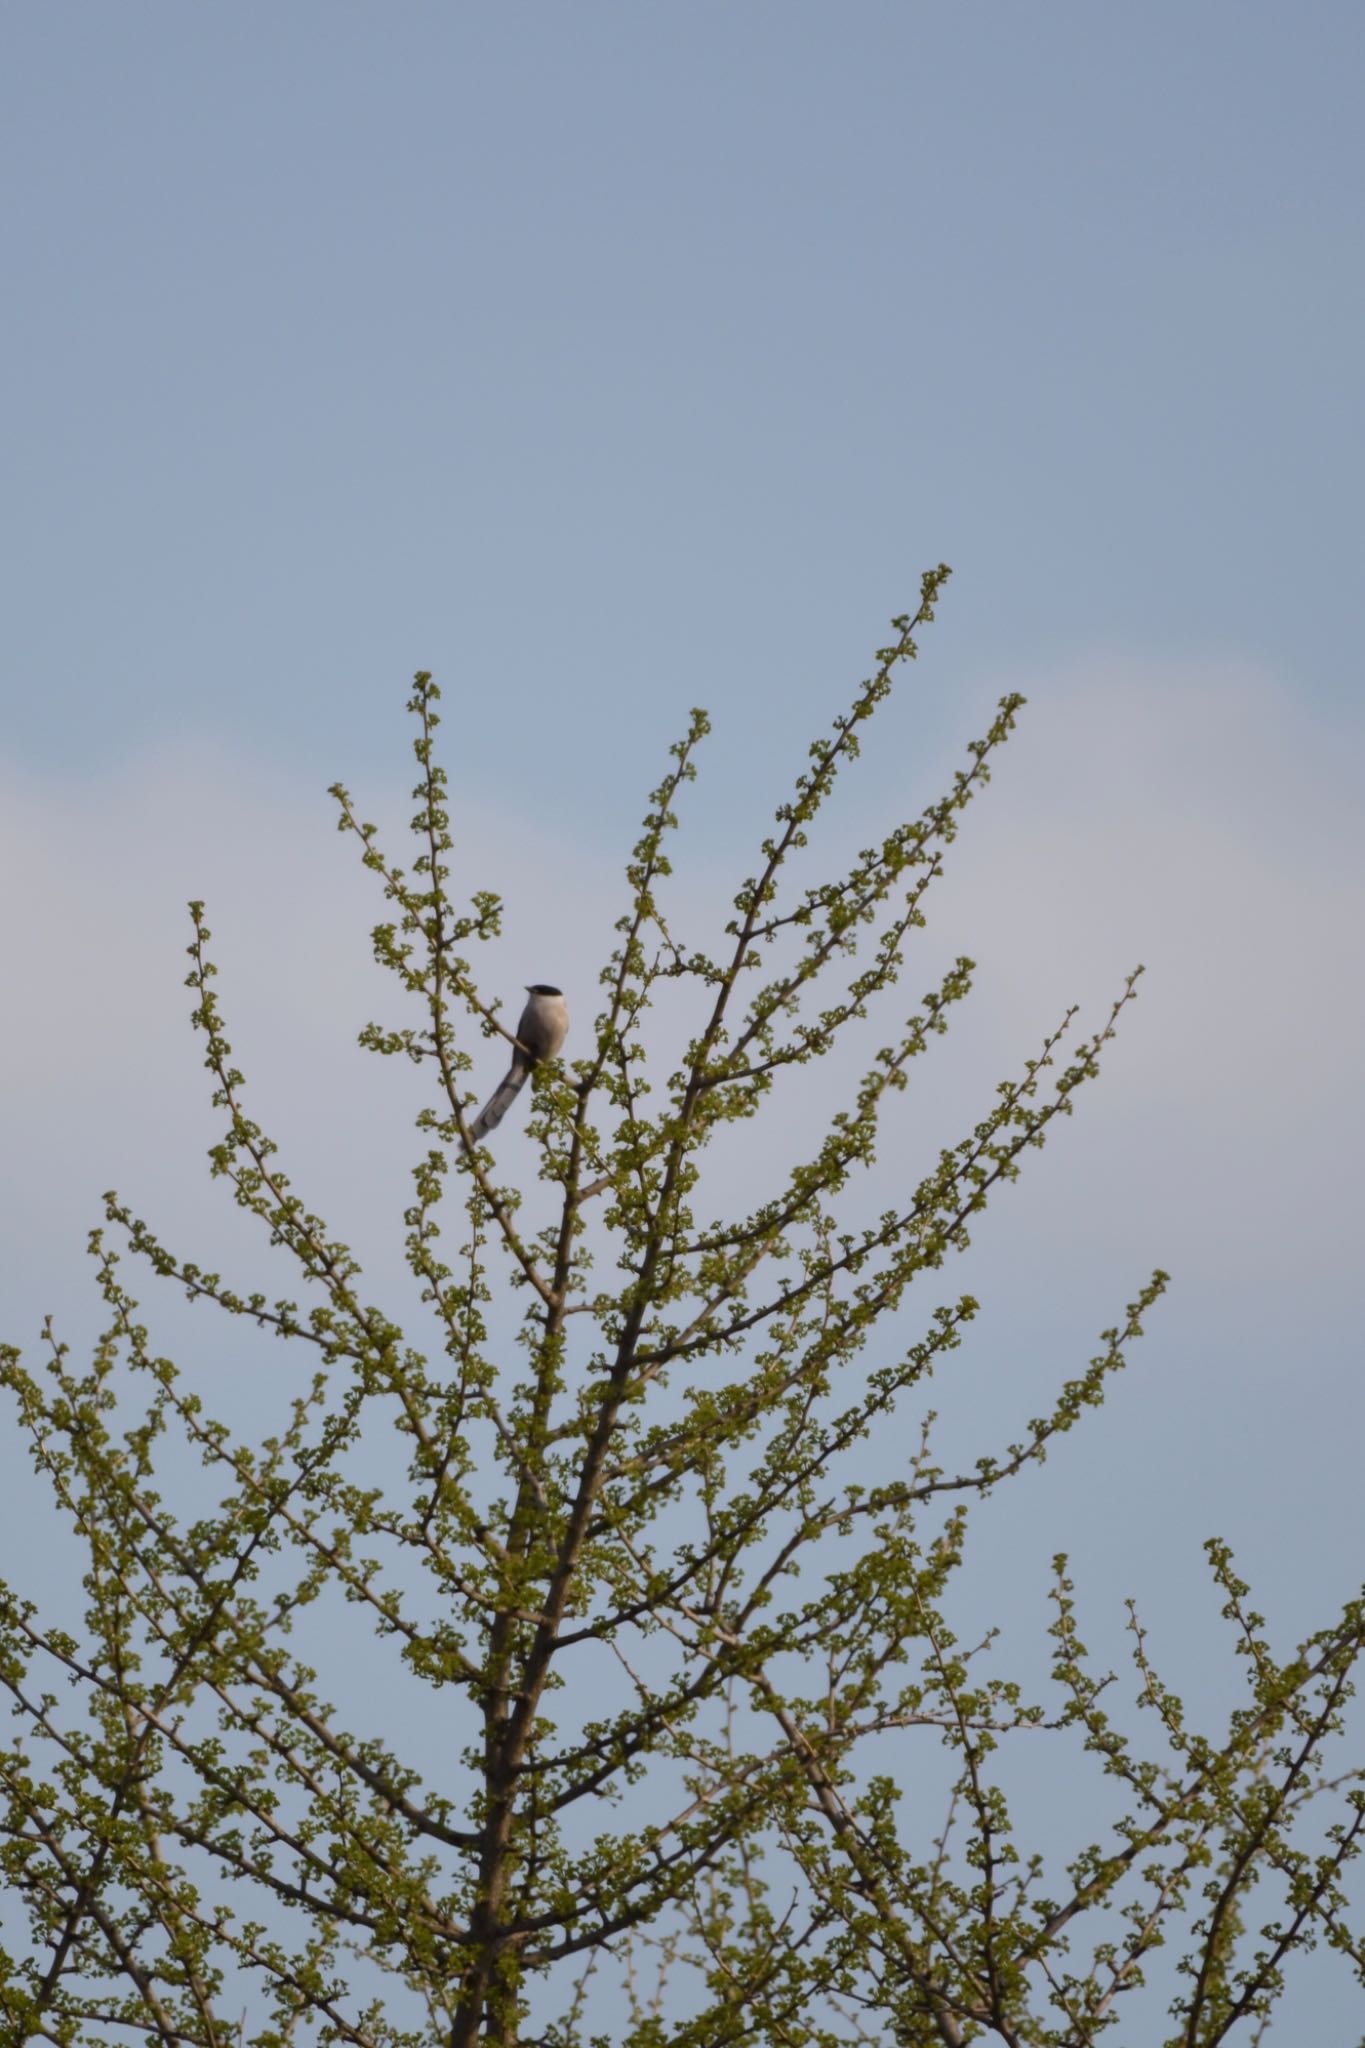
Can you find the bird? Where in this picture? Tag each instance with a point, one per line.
(542, 1030)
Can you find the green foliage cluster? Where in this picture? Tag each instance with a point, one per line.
(667, 1613)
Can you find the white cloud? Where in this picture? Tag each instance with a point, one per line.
(1192, 816)
(109, 1083)
(1197, 819)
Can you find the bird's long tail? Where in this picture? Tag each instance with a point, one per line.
(500, 1101)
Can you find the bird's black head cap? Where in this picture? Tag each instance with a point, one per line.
(542, 988)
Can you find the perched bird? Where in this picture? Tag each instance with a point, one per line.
(542, 1030)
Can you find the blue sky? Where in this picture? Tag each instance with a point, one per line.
(639, 352)
(607, 359)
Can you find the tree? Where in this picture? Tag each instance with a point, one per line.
(665, 1615)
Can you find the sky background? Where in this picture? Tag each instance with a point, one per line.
(609, 359)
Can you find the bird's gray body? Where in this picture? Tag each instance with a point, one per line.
(543, 1028)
